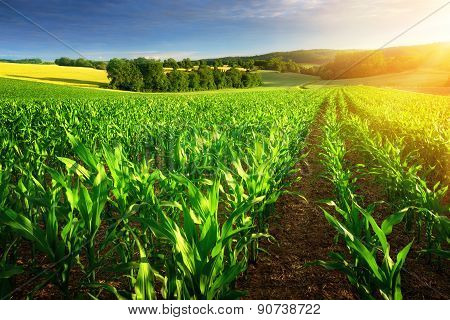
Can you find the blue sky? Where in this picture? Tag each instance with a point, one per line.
(201, 29)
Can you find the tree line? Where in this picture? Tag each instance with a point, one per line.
(25, 61)
(81, 62)
(143, 74)
(168, 63)
(278, 64)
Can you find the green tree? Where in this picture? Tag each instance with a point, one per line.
(186, 63)
(292, 66)
(194, 81)
(124, 75)
(261, 64)
(100, 65)
(170, 63)
(83, 63)
(153, 74)
(251, 79)
(206, 78)
(64, 61)
(219, 78)
(218, 63)
(275, 64)
(234, 77)
(178, 81)
(248, 64)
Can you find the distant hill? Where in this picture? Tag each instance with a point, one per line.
(436, 54)
(359, 64)
(314, 56)
(346, 64)
(429, 55)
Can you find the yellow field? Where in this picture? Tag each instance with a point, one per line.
(74, 76)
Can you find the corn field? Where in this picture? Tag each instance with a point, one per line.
(166, 197)
(172, 196)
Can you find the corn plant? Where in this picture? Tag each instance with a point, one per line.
(205, 257)
(356, 226)
(61, 243)
(403, 183)
(420, 120)
(368, 275)
(7, 271)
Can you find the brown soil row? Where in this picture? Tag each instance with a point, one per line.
(303, 235)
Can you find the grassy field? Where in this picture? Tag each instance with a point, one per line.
(273, 79)
(426, 80)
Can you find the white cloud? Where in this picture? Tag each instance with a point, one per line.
(101, 55)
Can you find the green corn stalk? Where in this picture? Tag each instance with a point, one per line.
(356, 226)
(405, 186)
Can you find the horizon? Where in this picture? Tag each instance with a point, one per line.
(256, 54)
(103, 30)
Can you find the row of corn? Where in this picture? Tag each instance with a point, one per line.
(410, 198)
(367, 262)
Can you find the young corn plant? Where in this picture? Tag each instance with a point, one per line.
(364, 239)
(8, 271)
(404, 185)
(61, 242)
(89, 203)
(98, 205)
(206, 254)
(269, 167)
(362, 267)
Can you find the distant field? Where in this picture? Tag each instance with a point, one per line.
(72, 76)
(421, 80)
(277, 79)
(20, 89)
(425, 80)
(414, 78)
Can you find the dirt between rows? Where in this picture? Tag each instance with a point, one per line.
(303, 235)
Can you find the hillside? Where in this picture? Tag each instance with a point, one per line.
(314, 56)
(436, 53)
(425, 80)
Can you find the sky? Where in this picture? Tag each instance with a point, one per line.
(197, 29)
